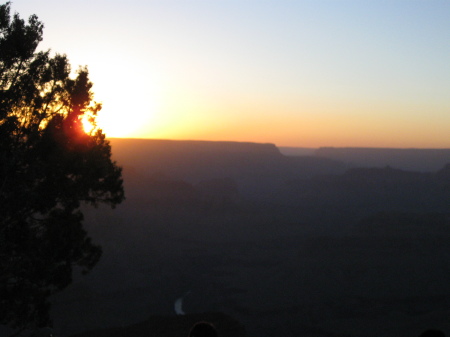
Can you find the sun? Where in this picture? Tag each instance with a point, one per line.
(130, 99)
(114, 123)
(124, 122)
(88, 125)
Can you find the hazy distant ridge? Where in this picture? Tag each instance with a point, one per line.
(407, 159)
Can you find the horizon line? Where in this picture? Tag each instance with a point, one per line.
(283, 146)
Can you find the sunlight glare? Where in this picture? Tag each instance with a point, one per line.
(88, 127)
(116, 123)
(127, 110)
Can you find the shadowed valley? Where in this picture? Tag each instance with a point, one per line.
(312, 245)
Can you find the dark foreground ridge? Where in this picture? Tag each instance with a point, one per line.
(167, 326)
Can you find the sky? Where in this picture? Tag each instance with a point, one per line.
(305, 73)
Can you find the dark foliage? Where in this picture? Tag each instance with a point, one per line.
(49, 166)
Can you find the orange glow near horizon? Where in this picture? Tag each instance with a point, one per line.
(180, 108)
(188, 118)
(200, 118)
(313, 133)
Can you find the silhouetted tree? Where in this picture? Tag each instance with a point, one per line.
(49, 166)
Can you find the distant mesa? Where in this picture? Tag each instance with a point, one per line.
(195, 161)
(163, 145)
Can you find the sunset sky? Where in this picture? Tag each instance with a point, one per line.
(294, 73)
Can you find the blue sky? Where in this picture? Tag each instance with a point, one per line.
(294, 73)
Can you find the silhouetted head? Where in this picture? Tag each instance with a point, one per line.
(203, 329)
(432, 333)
